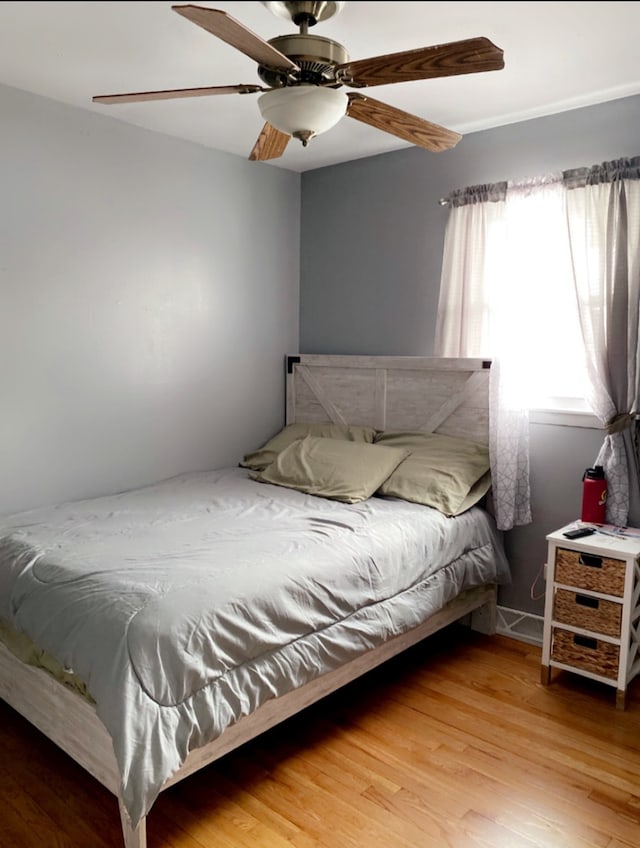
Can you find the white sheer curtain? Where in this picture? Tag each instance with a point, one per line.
(475, 318)
(473, 242)
(603, 214)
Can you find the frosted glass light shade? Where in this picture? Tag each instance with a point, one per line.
(303, 108)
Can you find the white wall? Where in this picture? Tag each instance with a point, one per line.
(148, 295)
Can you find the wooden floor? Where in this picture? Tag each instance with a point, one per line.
(455, 743)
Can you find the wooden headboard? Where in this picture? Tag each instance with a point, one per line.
(428, 393)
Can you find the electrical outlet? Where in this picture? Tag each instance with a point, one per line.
(544, 571)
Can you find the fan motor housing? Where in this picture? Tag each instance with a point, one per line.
(317, 58)
(304, 11)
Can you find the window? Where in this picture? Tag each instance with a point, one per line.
(516, 300)
(533, 302)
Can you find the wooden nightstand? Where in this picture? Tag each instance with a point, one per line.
(592, 608)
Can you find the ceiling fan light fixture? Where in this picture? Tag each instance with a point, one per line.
(301, 75)
(303, 111)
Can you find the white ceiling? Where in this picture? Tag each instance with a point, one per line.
(558, 56)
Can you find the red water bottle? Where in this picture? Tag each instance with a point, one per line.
(594, 496)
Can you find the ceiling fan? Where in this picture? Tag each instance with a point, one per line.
(304, 74)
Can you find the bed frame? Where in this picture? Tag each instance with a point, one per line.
(450, 396)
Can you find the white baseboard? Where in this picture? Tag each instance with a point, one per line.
(524, 626)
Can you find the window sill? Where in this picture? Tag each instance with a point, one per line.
(565, 418)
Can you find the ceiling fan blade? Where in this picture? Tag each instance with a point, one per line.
(228, 29)
(404, 125)
(138, 96)
(271, 144)
(472, 56)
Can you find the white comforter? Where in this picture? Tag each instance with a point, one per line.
(185, 605)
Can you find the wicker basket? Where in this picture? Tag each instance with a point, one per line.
(586, 653)
(587, 571)
(587, 612)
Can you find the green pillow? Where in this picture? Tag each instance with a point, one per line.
(443, 472)
(475, 493)
(257, 460)
(333, 468)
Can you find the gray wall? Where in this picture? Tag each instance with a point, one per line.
(148, 295)
(371, 240)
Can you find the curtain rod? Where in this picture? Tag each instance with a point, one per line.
(605, 172)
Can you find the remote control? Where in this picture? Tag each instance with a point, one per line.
(579, 533)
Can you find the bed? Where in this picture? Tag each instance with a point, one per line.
(310, 592)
